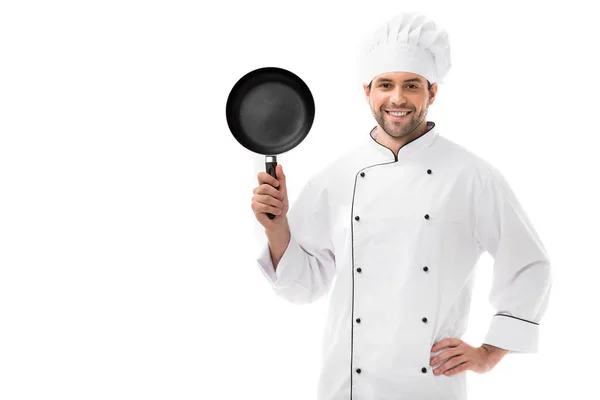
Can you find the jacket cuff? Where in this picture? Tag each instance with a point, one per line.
(284, 274)
(514, 334)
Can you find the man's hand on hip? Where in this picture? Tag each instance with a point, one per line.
(459, 356)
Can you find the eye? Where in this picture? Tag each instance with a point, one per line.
(413, 86)
(383, 84)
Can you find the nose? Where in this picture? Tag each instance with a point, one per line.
(397, 96)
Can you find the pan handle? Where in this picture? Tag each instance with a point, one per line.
(271, 163)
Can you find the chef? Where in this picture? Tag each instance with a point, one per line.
(393, 231)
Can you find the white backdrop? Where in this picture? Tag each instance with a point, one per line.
(127, 241)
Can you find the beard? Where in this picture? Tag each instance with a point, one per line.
(399, 129)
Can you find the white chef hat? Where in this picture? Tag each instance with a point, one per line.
(409, 42)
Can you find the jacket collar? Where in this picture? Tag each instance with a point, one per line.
(411, 148)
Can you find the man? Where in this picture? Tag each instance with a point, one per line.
(400, 223)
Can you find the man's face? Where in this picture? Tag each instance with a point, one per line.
(397, 92)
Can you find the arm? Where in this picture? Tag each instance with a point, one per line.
(522, 276)
(278, 242)
(299, 262)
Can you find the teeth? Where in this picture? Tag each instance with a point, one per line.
(398, 114)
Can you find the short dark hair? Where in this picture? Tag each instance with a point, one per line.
(428, 85)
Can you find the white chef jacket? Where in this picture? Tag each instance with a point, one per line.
(396, 239)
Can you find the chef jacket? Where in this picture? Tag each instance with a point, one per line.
(397, 239)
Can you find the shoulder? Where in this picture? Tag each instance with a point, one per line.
(464, 160)
(339, 166)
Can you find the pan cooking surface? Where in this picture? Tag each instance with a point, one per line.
(270, 111)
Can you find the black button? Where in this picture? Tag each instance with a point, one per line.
(357, 218)
(359, 270)
(423, 370)
(424, 320)
(426, 216)
(362, 174)
(358, 320)
(429, 171)
(358, 370)
(425, 269)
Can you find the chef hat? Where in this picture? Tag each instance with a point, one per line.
(409, 42)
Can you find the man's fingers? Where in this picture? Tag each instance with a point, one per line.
(279, 172)
(259, 208)
(281, 178)
(270, 200)
(265, 178)
(449, 342)
(453, 366)
(266, 189)
(446, 354)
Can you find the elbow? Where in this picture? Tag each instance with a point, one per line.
(547, 274)
(297, 294)
(307, 279)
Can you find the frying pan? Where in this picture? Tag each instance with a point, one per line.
(269, 111)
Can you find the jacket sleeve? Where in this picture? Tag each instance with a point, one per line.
(522, 277)
(307, 267)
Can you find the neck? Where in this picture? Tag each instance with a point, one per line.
(396, 143)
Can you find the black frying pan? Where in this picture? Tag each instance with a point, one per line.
(270, 111)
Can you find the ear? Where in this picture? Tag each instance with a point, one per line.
(433, 93)
(367, 91)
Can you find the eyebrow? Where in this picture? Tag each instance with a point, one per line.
(406, 81)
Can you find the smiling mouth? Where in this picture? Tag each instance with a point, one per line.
(398, 115)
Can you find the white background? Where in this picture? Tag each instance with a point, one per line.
(127, 241)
